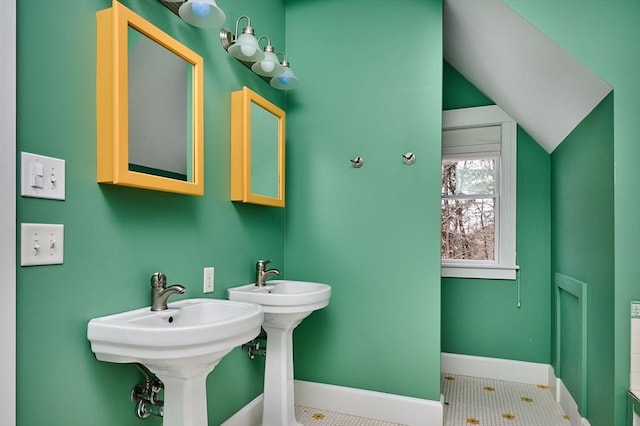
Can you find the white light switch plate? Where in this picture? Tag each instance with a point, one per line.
(42, 177)
(41, 244)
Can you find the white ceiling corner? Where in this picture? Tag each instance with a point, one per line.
(546, 90)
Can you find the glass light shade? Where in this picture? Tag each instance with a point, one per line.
(246, 48)
(285, 81)
(202, 13)
(269, 66)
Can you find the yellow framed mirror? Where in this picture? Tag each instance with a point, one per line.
(149, 94)
(257, 149)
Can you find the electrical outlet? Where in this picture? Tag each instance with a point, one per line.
(208, 280)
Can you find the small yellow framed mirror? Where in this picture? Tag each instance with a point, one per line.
(257, 149)
(149, 93)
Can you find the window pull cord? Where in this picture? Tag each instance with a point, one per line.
(518, 303)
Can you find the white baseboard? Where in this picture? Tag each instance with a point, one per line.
(569, 405)
(249, 415)
(375, 405)
(356, 402)
(496, 368)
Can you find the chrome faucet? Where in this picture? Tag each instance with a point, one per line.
(160, 292)
(262, 274)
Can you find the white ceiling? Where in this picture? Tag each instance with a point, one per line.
(529, 76)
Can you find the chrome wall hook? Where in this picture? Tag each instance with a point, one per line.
(409, 158)
(357, 162)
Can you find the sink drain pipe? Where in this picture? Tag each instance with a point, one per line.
(145, 395)
(257, 346)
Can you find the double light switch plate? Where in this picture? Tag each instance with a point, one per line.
(41, 244)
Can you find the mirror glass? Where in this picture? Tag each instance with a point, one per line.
(149, 106)
(159, 109)
(264, 152)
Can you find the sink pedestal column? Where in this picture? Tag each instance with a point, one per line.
(185, 390)
(278, 401)
(185, 401)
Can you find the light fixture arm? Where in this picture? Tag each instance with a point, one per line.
(249, 28)
(284, 62)
(268, 41)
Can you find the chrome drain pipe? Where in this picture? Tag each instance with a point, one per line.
(145, 395)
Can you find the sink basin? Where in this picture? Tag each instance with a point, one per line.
(181, 345)
(283, 296)
(190, 327)
(286, 304)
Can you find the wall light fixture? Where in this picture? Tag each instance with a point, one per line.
(199, 13)
(264, 62)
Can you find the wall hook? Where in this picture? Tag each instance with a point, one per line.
(409, 158)
(357, 162)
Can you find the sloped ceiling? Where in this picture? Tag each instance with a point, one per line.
(530, 77)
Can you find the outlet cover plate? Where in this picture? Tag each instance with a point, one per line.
(208, 280)
(41, 244)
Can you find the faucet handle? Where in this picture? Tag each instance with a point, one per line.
(263, 263)
(158, 279)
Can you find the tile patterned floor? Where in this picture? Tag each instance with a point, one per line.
(468, 401)
(476, 401)
(312, 416)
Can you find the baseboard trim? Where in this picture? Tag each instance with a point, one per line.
(364, 403)
(569, 405)
(249, 415)
(497, 368)
(355, 402)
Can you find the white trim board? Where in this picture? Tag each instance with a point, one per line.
(569, 405)
(249, 415)
(375, 405)
(355, 402)
(497, 368)
(8, 213)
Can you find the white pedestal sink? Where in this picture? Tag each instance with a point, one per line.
(286, 304)
(181, 345)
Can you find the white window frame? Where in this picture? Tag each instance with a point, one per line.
(504, 267)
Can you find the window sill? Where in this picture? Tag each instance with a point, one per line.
(487, 272)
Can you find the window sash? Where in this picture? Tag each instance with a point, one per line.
(490, 121)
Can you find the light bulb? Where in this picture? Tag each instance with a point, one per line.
(267, 66)
(200, 9)
(285, 78)
(247, 51)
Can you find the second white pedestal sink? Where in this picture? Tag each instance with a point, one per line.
(181, 345)
(286, 304)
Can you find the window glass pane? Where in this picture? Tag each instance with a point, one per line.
(468, 229)
(467, 177)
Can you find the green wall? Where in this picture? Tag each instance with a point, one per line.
(582, 247)
(481, 317)
(372, 233)
(605, 35)
(116, 237)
